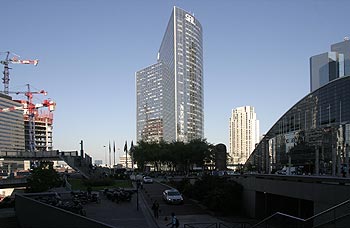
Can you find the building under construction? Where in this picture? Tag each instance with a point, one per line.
(16, 126)
(43, 121)
(43, 130)
(35, 126)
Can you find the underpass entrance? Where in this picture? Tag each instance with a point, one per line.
(267, 204)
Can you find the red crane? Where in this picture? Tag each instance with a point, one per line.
(30, 108)
(6, 72)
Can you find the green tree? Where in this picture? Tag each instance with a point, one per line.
(43, 178)
(176, 155)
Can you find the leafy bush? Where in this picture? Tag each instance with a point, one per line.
(218, 194)
(43, 178)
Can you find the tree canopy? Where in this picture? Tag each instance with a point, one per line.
(175, 156)
(43, 178)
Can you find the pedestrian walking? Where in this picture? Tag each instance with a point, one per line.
(174, 221)
(155, 208)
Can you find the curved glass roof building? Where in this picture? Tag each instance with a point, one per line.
(313, 136)
(170, 93)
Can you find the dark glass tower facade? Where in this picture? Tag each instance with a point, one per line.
(313, 136)
(179, 94)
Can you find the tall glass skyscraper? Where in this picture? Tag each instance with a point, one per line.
(330, 65)
(343, 48)
(170, 92)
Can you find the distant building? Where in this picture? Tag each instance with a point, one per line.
(244, 133)
(98, 162)
(343, 48)
(126, 162)
(170, 92)
(329, 66)
(43, 131)
(43, 128)
(11, 126)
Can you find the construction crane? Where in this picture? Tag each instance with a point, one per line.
(29, 107)
(6, 72)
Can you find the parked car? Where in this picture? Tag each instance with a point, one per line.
(172, 196)
(147, 180)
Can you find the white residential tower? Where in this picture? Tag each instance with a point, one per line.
(244, 133)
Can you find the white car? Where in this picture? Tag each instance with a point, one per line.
(147, 180)
(172, 196)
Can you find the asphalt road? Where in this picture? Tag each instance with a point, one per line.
(152, 192)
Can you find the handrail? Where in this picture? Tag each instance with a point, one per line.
(327, 210)
(193, 225)
(300, 219)
(278, 213)
(340, 217)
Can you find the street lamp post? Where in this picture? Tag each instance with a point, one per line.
(137, 194)
(105, 155)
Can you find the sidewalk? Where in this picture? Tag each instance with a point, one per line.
(121, 215)
(126, 214)
(204, 216)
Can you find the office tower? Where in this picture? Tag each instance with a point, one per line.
(11, 125)
(325, 68)
(170, 92)
(244, 133)
(330, 65)
(344, 49)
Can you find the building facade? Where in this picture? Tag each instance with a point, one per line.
(244, 133)
(330, 65)
(11, 126)
(343, 48)
(151, 92)
(43, 125)
(313, 136)
(325, 68)
(170, 92)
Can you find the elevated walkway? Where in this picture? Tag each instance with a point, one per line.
(83, 164)
(26, 155)
(13, 183)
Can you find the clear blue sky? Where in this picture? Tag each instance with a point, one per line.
(255, 53)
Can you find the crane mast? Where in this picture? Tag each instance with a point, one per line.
(6, 72)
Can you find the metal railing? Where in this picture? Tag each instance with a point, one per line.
(201, 225)
(324, 218)
(217, 225)
(236, 225)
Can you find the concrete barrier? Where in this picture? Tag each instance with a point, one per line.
(32, 213)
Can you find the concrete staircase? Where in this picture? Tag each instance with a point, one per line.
(79, 163)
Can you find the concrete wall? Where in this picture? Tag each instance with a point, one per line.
(323, 192)
(31, 213)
